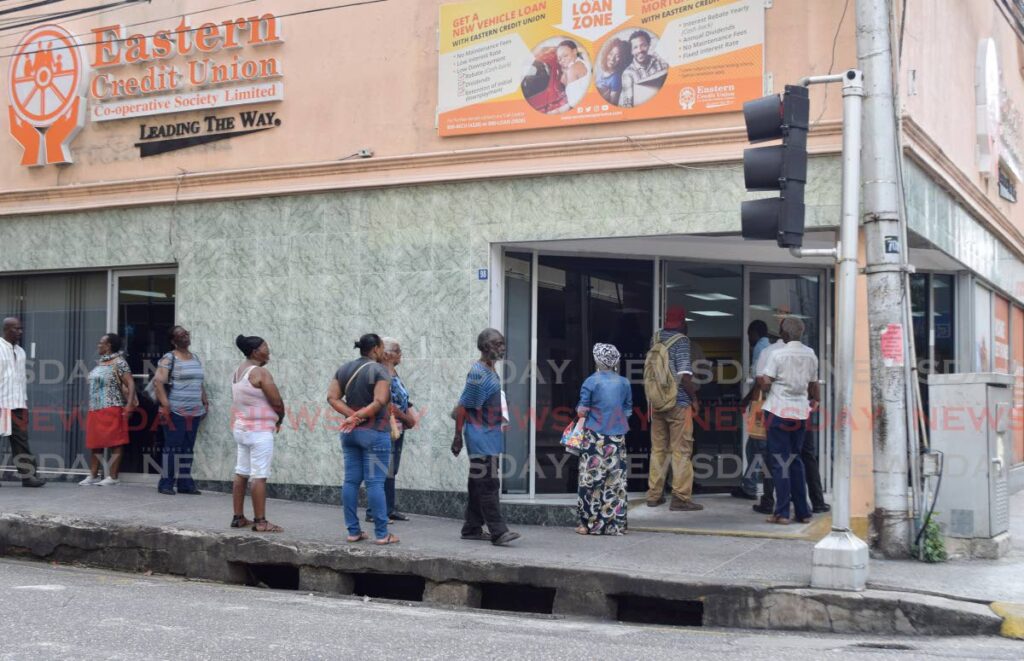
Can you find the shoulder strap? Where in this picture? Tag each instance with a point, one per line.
(352, 378)
(657, 339)
(245, 374)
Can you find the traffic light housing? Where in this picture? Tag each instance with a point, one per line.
(780, 168)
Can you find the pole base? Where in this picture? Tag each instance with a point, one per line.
(840, 562)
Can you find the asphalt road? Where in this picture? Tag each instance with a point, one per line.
(56, 612)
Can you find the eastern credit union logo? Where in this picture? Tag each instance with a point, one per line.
(45, 90)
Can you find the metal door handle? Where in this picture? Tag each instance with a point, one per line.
(998, 462)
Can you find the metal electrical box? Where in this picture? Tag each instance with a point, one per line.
(969, 420)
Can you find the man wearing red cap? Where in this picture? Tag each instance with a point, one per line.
(672, 430)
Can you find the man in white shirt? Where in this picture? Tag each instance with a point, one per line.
(767, 503)
(790, 379)
(14, 402)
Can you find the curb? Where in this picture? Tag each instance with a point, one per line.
(814, 532)
(446, 580)
(1013, 619)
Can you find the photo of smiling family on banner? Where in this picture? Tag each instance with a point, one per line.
(511, 65)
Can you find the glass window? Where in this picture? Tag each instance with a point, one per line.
(516, 368)
(920, 302)
(64, 316)
(944, 323)
(145, 307)
(1017, 369)
(1000, 334)
(982, 329)
(777, 295)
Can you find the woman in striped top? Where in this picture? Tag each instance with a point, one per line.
(181, 391)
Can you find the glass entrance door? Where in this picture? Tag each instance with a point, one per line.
(143, 308)
(582, 301)
(712, 296)
(773, 295)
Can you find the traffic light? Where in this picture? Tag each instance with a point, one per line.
(776, 167)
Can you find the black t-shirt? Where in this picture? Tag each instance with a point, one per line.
(360, 392)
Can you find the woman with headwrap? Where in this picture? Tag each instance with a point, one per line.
(256, 413)
(606, 402)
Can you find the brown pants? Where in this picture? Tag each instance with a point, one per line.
(671, 431)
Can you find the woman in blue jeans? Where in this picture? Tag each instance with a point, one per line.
(361, 391)
(179, 384)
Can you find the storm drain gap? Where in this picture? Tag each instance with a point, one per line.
(276, 577)
(401, 587)
(653, 610)
(517, 598)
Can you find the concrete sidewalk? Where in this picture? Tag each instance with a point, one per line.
(133, 527)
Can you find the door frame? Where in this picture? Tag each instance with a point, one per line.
(113, 311)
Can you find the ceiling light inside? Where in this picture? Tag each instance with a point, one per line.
(712, 296)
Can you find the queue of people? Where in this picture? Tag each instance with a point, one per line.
(375, 403)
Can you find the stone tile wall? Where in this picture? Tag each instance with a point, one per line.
(310, 273)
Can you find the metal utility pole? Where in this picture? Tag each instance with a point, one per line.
(841, 558)
(891, 519)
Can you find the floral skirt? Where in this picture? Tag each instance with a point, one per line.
(602, 499)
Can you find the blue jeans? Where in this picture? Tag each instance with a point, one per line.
(389, 481)
(756, 466)
(178, 451)
(785, 440)
(367, 454)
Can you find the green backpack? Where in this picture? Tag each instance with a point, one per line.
(660, 385)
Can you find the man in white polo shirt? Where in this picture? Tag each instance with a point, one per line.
(790, 379)
(13, 402)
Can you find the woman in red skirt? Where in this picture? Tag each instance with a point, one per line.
(111, 401)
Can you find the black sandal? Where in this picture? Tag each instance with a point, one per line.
(239, 521)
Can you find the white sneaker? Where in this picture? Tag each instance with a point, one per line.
(89, 481)
(108, 481)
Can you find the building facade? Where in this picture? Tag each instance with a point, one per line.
(318, 174)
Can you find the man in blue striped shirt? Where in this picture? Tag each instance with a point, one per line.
(479, 415)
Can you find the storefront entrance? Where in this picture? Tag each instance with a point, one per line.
(721, 301)
(557, 306)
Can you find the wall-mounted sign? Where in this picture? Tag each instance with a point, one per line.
(52, 89)
(509, 65)
(44, 87)
(157, 139)
(987, 107)
(179, 71)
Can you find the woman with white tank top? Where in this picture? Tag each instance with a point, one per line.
(256, 414)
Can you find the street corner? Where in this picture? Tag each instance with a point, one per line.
(1013, 618)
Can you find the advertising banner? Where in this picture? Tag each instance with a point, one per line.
(508, 65)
